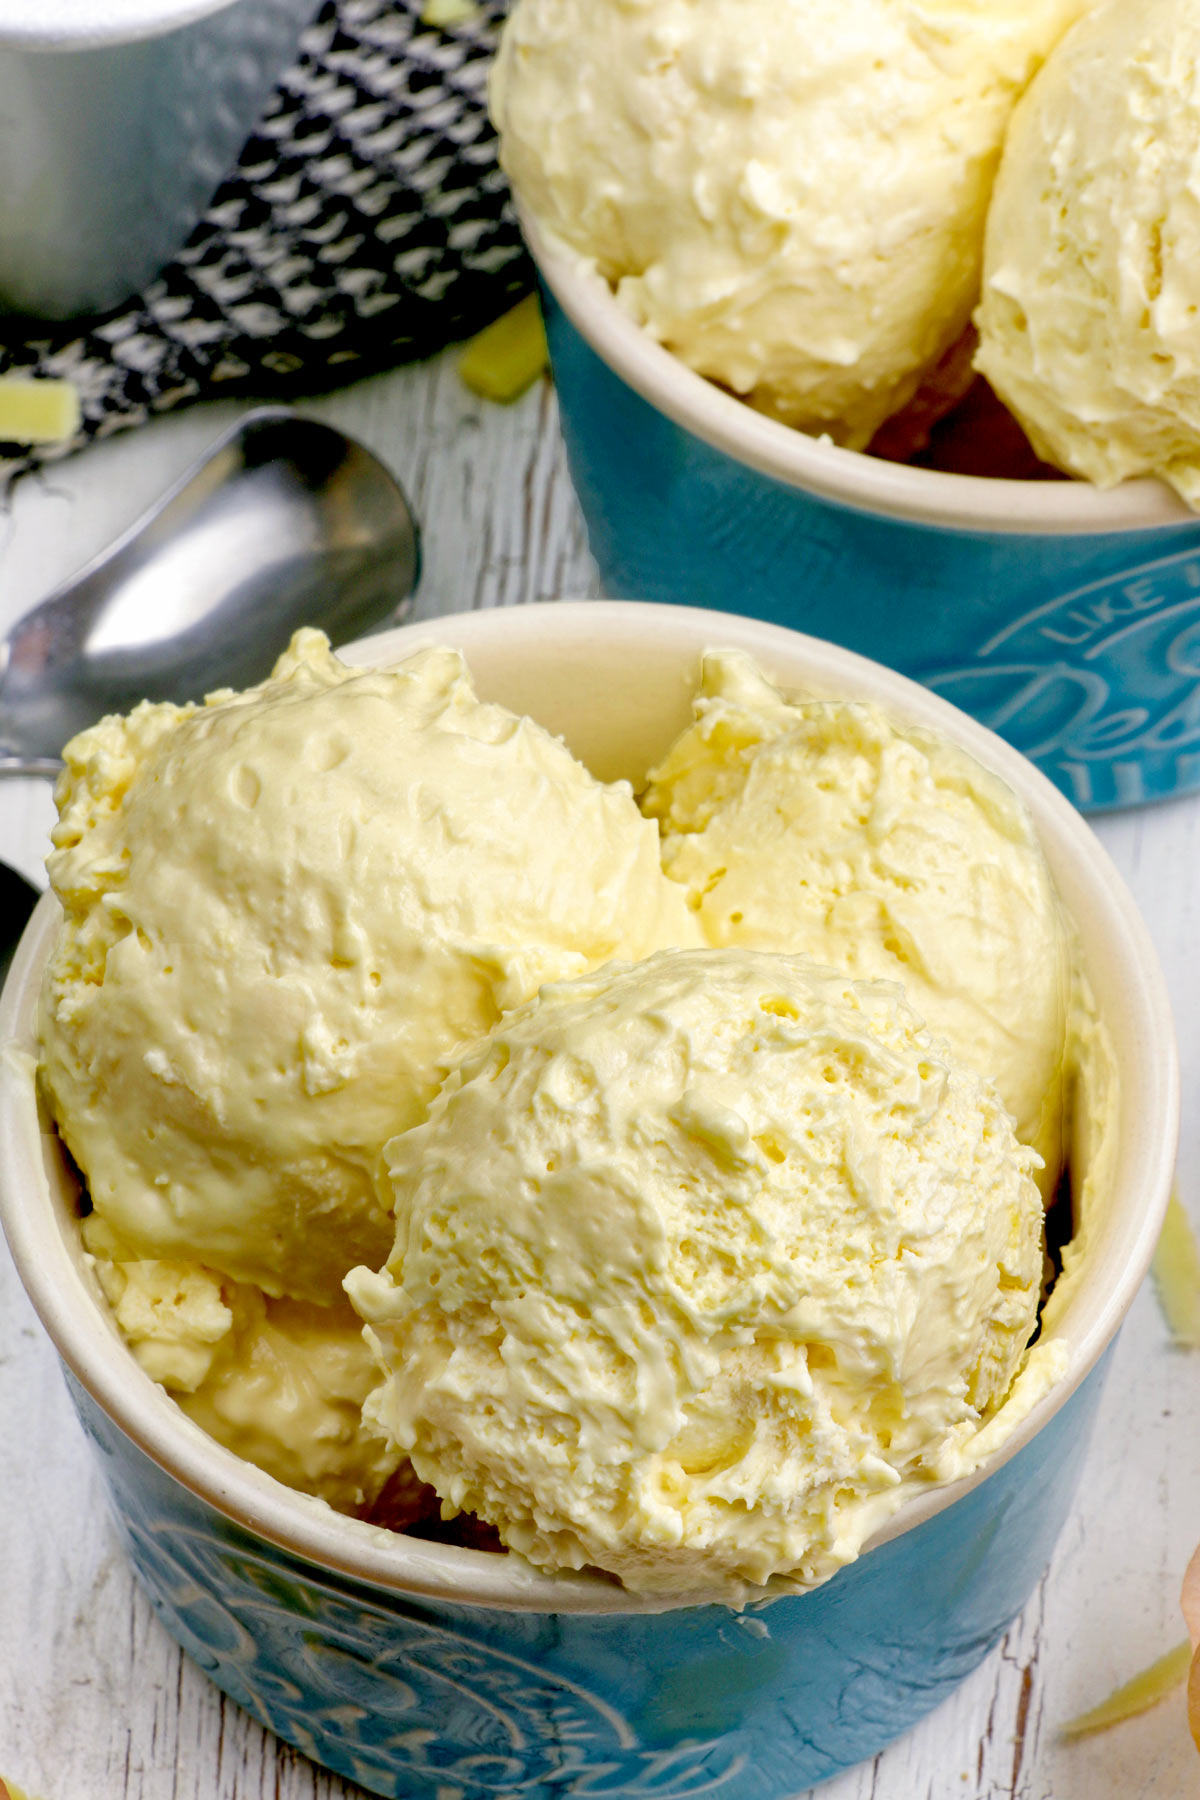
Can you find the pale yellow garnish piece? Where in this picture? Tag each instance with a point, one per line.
(10, 1791)
(508, 356)
(37, 412)
(1176, 1270)
(449, 12)
(1137, 1696)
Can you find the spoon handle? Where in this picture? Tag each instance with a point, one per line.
(31, 765)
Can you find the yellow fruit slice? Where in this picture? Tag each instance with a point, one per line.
(1137, 1696)
(449, 12)
(37, 412)
(508, 356)
(1176, 1272)
(10, 1791)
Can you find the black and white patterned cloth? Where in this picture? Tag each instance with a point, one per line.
(366, 223)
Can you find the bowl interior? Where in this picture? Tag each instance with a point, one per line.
(615, 679)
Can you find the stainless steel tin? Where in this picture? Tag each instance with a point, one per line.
(118, 119)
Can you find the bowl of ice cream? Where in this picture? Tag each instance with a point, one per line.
(746, 276)
(712, 1271)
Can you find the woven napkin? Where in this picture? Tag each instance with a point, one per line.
(366, 223)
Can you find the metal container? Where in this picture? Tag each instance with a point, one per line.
(118, 120)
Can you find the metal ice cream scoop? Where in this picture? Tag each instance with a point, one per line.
(286, 522)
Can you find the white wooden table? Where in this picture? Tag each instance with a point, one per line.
(96, 1703)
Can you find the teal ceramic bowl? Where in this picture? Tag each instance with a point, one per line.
(1066, 619)
(421, 1670)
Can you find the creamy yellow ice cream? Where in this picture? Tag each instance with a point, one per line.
(701, 1266)
(704, 1259)
(1090, 319)
(829, 830)
(788, 194)
(279, 1382)
(285, 913)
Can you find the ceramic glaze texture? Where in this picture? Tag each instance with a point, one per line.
(411, 1698)
(1083, 651)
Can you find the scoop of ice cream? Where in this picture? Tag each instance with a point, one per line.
(281, 1383)
(700, 1264)
(788, 194)
(1090, 321)
(286, 912)
(829, 830)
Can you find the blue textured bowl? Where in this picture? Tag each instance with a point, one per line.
(427, 1671)
(414, 1697)
(1066, 619)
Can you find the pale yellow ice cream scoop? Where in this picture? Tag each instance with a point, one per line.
(788, 194)
(1090, 319)
(279, 1382)
(286, 912)
(701, 1267)
(828, 829)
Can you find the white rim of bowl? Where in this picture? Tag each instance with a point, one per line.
(90, 1345)
(846, 477)
(67, 25)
